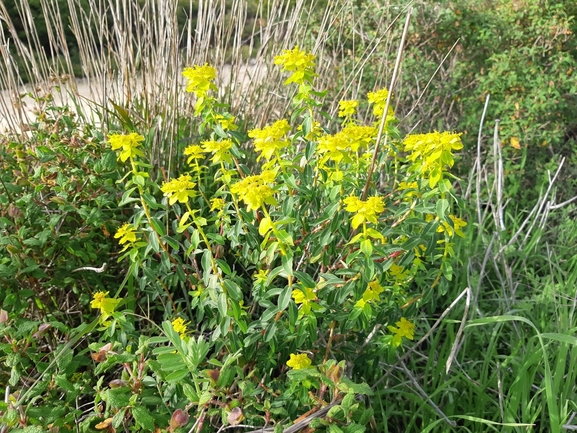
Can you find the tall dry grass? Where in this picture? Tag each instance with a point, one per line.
(132, 54)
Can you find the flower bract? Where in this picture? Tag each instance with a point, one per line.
(199, 79)
(365, 210)
(404, 329)
(127, 145)
(180, 189)
(300, 361)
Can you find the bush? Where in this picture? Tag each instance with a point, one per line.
(280, 284)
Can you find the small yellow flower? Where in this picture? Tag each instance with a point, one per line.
(216, 203)
(220, 150)
(104, 304)
(379, 98)
(126, 233)
(297, 362)
(300, 63)
(305, 297)
(226, 123)
(405, 329)
(179, 326)
(269, 139)
(371, 294)
(200, 79)
(365, 210)
(127, 145)
(194, 152)
(348, 108)
(458, 223)
(255, 190)
(261, 276)
(180, 189)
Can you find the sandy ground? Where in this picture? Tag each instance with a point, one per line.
(19, 110)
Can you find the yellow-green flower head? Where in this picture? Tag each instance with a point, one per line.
(297, 362)
(255, 190)
(104, 304)
(379, 98)
(458, 223)
(300, 63)
(200, 79)
(432, 149)
(220, 150)
(371, 294)
(194, 152)
(365, 210)
(270, 138)
(305, 297)
(334, 148)
(405, 329)
(179, 326)
(126, 233)
(359, 137)
(216, 203)
(127, 145)
(348, 108)
(180, 189)
(226, 123)
(261, 276)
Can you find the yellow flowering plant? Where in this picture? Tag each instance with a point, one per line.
(275, 241)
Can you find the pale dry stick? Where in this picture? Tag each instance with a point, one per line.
(498, 163)
(500, 391)
(422, 340)
(424, 394)
(551, 182)
(416, 104)
(457, 342)
(476, 173)
(565, 203)
(536, 209)
(488, 253)
(387, 104)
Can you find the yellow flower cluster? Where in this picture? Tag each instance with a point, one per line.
(194, 152)
(127, 145)
(270, 139)
(220, 150)
(180, 189)
(300, 63)
(432, 152)
(199, 79)
(341, 146)
(365, 210)
(226, 123)
(297, 362)
(255, 190)
(104, 304)
(127, 235)
(379, 98)
(305, 296)
(371, 294)
(179, 326)
(404, 329)
(458, 223)
(348, 108)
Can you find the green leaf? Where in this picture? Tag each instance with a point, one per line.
(270, 332)
(143, 418)
(442, 206)
(222, 305)
(367, 247)
(305, 279)
(284, 298)
(126, 197)
(233, 290)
